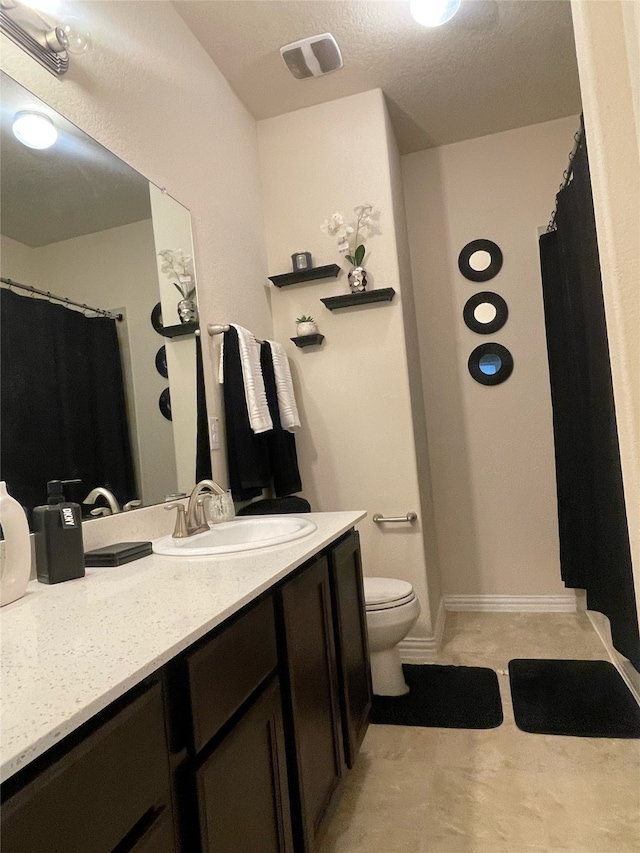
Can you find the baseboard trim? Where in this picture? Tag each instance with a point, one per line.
(418, 650)
(424, 649)
(626, 669)
(512, 603)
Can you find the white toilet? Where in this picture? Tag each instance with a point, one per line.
(392, 609)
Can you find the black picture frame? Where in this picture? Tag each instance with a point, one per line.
(504, 371)
(480, 246)
(296, 264)
(502, 312)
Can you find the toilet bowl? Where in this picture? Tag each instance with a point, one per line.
(391, 609)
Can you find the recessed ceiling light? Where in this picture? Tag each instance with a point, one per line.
(433, 13)
(34, 130)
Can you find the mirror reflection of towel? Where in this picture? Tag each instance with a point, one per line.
(283, 457)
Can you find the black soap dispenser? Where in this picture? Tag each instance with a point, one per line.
(58, 536)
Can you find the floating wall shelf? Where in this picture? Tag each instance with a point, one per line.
(180, 330)
(308, 340)
(383, 294)
(313, 273)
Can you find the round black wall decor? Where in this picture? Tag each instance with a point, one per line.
(480, 260)
(161, 362)
(164, 404)
(490, 364)
(156, 318)
(485, 312)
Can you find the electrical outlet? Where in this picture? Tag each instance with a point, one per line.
(214, 433)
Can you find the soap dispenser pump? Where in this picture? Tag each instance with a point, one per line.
(58, 536)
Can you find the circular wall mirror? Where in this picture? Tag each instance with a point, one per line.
(485, 312)
(490, 364)
(480, 260)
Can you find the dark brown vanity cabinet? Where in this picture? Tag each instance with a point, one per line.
(311, 699)
(237, 745)
(237, 740)
(108, 791)
(352, 649)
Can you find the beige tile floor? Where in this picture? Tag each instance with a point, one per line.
(420, 790)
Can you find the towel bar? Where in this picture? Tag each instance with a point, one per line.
(410, 517)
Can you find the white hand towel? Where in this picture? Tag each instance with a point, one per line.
(254, 392)
(289, 417)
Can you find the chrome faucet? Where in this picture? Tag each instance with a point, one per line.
(192, 520)
(109, 496)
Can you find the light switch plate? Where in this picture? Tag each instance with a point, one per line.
(214, 433)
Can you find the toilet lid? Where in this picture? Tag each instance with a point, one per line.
(382, 593)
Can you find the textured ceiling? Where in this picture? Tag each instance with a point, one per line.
(76, 187)
(494, 67)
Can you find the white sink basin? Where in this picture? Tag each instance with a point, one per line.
(241, 534)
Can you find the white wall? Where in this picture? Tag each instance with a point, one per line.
(356, 447)
(607, 45)
(491, 448)
(172, 230)
(150, 93)
(111, 269)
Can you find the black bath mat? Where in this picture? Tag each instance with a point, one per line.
(583, 698)
(446, 697)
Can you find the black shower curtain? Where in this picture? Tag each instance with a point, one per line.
(62, 404)
(594, 538)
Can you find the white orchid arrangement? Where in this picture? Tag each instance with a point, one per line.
(177, 264)
(351, 237)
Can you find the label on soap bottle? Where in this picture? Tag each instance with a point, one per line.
(67, 516)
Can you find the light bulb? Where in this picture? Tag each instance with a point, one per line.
(74, 36)
(34, 130)
(433, 13)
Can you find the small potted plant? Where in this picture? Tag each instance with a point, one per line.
(306, 326)
(351, 240)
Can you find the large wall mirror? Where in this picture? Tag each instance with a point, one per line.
(80, 391)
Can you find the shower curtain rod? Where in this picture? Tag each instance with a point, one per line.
(63, 299)
(568, 172)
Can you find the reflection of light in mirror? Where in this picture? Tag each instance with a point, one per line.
(485, 312)
(34, 130)
(480, 260)
(490, 364)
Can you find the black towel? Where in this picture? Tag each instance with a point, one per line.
(281, 443)
(203, 450)
(247, 453)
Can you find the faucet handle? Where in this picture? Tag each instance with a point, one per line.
(180, 531)
(200, 515)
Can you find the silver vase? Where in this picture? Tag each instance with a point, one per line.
(187, 311)
(358, 279)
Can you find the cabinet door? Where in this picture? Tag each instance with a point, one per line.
(351, 643)
(312, 701)
(243, 796)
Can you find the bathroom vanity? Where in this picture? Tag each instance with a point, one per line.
(221, 715)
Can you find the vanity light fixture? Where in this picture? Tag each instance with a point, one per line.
(47, 41)
(34, 130)
(433, 13)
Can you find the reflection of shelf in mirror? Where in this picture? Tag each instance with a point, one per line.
(180, 330)
(313, 273)
(383, 294)
(308, 340)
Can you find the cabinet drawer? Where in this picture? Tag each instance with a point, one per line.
(89, 799)
(225, 672)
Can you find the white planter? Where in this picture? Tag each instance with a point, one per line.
(303, 329)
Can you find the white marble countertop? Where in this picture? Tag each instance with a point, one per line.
(71, 649)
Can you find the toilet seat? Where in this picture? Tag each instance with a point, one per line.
(386, 593)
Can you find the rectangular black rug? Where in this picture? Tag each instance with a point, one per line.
(583, 698)
(446, 697)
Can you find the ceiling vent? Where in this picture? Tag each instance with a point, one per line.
(312, 57)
